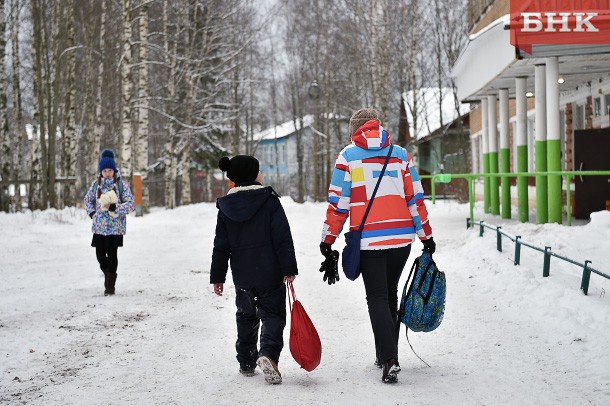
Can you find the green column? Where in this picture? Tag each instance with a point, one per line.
(485, 145)
(542, 196)
(486, 185)
(554, 181)
(521, 136)
(522, 183)
(505, 168)
(542, 205)
(494, 184)
(492, 131)
(504, 152)
(555, 198)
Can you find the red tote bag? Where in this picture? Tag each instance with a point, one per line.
(305, 345)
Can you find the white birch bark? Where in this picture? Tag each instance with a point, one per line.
(18, 130)
(170, 52)
(40, 163)
(126, 156)
(143, 94)
(5, 153)
(94, 146)
(69, 145)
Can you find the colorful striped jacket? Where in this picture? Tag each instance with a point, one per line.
(398, 211)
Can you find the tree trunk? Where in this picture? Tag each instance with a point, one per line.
(18, 133)
(185, 188)
(170, 48)
(126, 157)
(69, 145)
(39, 162)
(53, 68)
(95, 144)
(412, 63)
(5, 154)
(143, 93)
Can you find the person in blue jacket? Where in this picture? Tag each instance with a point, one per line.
(252, 232)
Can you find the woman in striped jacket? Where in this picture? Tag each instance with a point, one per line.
(397, 215)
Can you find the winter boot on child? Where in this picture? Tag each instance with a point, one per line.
(109, 282)
(272, 373)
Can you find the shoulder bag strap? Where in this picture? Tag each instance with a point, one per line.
(368, 208)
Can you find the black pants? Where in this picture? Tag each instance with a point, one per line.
(253, 307)
(381, 270)
(107, 257)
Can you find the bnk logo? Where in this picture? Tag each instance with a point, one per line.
(549, 22)
(540, 22)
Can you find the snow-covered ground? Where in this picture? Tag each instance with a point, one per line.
(509, 335)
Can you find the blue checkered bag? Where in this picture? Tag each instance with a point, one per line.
(422, 305)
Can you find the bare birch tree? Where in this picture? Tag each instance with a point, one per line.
(127, 138)
(18, 129)
(5, 153)
(68, 140)
(141, 160)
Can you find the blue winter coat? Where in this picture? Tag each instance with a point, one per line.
(252, 231)
(103, 223)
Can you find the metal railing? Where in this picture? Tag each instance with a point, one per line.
(547, 252)
(471, 177)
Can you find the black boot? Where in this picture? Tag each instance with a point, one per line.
(390, 371)
(109, 281)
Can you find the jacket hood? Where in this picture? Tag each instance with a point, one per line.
(241, 205)
(371, 135)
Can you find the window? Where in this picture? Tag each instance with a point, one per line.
(607, 104)
(578, 122)
(597, 107)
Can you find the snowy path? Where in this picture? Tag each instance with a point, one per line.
(508, 337)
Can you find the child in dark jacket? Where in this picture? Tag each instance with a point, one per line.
(252, 231)
(107, 202)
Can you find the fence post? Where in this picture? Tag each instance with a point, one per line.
(517, 250)
(499, 238)
(137, 193)
(547, 262)
(586, 275)
(481, 228)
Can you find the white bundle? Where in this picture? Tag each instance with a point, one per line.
(108, 198)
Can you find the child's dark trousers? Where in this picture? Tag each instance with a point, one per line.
(256, 306)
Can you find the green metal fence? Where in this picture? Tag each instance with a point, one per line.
(471, 177)
(547, 252)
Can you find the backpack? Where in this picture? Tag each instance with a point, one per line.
(422, 305)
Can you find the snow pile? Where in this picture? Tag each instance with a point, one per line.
(509, 335)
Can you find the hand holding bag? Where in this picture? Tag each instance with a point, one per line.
(305, 345)
(351, 253)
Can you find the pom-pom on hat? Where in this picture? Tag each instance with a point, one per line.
(240, 168)
(360, 117)
(107, 161)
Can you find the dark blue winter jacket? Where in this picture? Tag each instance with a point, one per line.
(252, 232)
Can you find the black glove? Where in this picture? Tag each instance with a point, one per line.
(429, 245)
(112, 207)
(330, 267)
(91, 215)
(326, 249)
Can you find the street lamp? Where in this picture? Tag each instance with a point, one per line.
(314, 93)
(314, 90)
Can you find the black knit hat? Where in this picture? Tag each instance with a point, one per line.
(240, 168)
